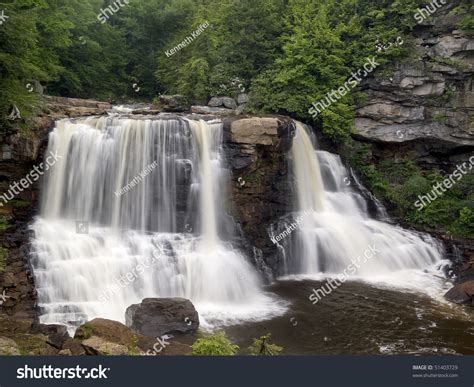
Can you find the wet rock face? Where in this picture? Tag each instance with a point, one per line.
(17, 290)
(462, 293)
(428, 97)
(260, 190)
(156, 317)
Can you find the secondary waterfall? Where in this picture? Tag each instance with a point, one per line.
(334, 227)
(131, 210)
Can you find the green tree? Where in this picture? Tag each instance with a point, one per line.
(263, 347)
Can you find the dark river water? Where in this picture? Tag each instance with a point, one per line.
(359, 319)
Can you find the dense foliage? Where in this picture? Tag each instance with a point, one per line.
(287, 53)
(401, 184)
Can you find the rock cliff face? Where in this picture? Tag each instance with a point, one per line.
(261, 191)
(422, 110)
(426, 102)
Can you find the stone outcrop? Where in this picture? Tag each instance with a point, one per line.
(58, 107)
(428, 97)
(172, 103)
(462, 293)
(226, 102)
(156, 317)
(256, 148)
(224, 105)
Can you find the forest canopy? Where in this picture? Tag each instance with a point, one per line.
(285, 53)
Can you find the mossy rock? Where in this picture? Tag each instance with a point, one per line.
(30, 344)
(107, 332)
(8, 347)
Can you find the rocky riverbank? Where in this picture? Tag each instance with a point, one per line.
(22, 336)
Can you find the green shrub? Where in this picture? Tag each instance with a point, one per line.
(214, 345)
(263, 347)
(398, 184)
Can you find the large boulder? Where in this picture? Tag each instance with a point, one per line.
(226, 102)
(242, 98)
(215, 102)
(172, 103)
(107, 331)
(156, 317)
(462, 293)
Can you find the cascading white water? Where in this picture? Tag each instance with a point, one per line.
(335, 227)
(207, 143)
(157, 238)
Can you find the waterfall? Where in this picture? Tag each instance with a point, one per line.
(334, 227)
(207, 144)
(132, 210)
